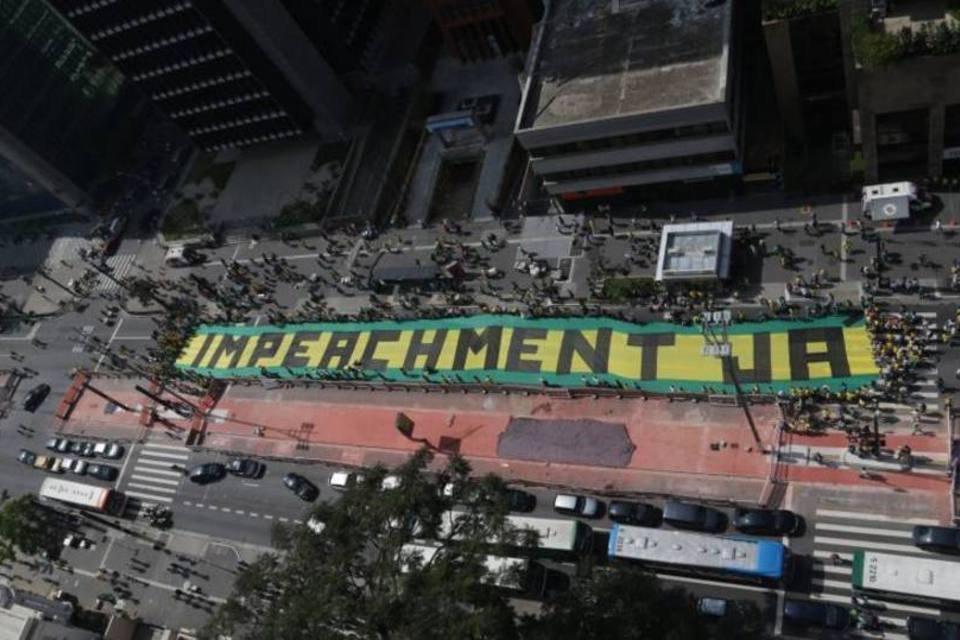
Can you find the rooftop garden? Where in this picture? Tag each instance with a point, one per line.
(875, 48)
(787, 9)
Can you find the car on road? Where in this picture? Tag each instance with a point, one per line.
(939, 539)
(109, 450)
(635, 513)
(920, 628)
(102, 472)
(60, 445)
(576, 505)
(35, 397)
(304, 489)
(389, 482)
(767, 522)
(245, 467)
(521, 501)
(716, 607)
(79, 448)
(808, 613)
(342, 480)
(207, 472)
(686, 515)
(27, 457)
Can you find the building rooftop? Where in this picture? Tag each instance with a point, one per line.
(695, 250)
(607, 58)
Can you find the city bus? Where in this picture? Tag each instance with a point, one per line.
(726, 557)
(516, 577)
(83, 496)
(555, 536)
(907, 578)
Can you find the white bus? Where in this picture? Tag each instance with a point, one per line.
(907, 578)
(520, 577)
(736, 558)
(83, 496)
(554, 535)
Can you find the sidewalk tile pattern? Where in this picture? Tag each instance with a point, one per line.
(560, 352)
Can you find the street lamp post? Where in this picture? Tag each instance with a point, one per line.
(719, 347)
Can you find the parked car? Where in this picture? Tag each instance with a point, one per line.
(207, 473)
(939, 539)
(686, 515)
(109, 450)
(79, 448)
(716, 607)
(518, 500)
(27, 457)
(919, 628)
(305, 490)
(767, 522)
(44, 463)
(35, 397)
(576, 505)
(808, 613)
(102, 472)
(74, 465)
(87, 450)
(390, 482)
(245, 467)
(635, 513)
(342, 480)
(53, 444)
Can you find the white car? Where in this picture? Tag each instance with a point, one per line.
(74, 465)
(343, 480)
(390, 482)
(109, 450)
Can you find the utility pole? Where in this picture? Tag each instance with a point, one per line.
(719, 347)
(108, 398)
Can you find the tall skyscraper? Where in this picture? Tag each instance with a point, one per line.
(68, 118)
(229, 72)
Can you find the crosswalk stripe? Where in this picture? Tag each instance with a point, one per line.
(157, 472)
(137, 476)
(830, 584)
(876, 517)
(829, 568)
(829, 554)
(870, 531)
(149, 496)
(170, 447)
(140, 485)
(157, 454)
(867, 545)
(930, 395)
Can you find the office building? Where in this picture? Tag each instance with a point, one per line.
(622, 96)
(68, 118)
(228, 72)
(481, 29)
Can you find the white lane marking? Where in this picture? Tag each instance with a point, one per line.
(137, 476)
(109, 342)
(226, 509)
(188, 502)
(134, 338)
(123, 468)
(843, 240)
(213, 507)
(870, 531)
(844, 571)
(148, 496)
(157, 472)
(832, 584)
(712, 583)
(171, 447)
(253, 514)
(157, 454)
(282, 519)
(239, 512)
(868, 546)
(140, 485)
(876, 517)
(268, 516)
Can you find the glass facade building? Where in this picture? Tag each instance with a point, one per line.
(68, 117)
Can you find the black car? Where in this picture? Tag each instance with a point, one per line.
(518, 500)
(929, 629)
(686, 515)
(304, 489)
(940, 539)
(207, 473)
(35, 397)
(245, 468)
(102, 472)
(27, 457)
(767, 522)
(807, 613)
(636, 513)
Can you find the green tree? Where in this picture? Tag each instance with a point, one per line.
(26, 527)
(351, 580)
(628, 603)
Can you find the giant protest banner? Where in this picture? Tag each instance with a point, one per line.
(567, 352)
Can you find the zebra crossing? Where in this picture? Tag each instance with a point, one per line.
(843, 532)
(119, 266)
(152, 480)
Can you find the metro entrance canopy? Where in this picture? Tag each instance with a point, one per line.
(563, 352)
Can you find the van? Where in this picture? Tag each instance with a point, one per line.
(342, 480)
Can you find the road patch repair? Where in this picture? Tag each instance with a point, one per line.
(494, 350)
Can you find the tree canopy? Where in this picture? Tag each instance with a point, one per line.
(27, 528)
(352, 578)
